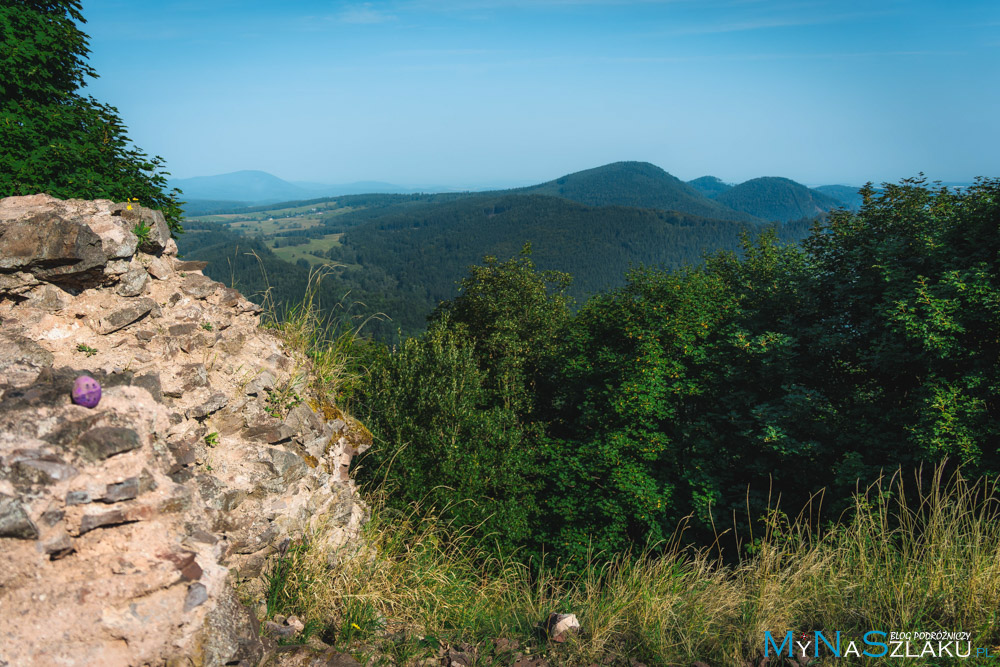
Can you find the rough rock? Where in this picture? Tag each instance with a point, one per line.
(124, 315)
(134, 281)
(560, 626)
(199, 286)
(22, 359)
(124, 529)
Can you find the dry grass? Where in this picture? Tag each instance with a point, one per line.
(900, 564)
(322, 334)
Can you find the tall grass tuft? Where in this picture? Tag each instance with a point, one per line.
(921, 556)
(325, 334)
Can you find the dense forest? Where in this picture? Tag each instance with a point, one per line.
(780, 199)
(709, 185)
(698, 396)
(401, 255)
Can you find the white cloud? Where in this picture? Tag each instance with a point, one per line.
(364, 13)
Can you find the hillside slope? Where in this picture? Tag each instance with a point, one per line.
(242, 186)
(777, 199)
(420, 255)
(710, 186)
(636, 184)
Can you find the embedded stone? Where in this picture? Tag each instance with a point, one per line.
(52, 517)
(158, 268)
(199, 286)
(114, 518)
(151, 383)
(127, 490)
(106, 441)
(52, 249)
(42, 472)
(59, 547)
(77, 498)
(125, 315)
(91, 521)
(180, 265)
(186, 565)
(133, 282)
(47, 297)
(192, 343)
(182, 329)
(197, 595)
(304, 421)
(215, 403)
(260, 384)
(270, 434)
(14, 521)
(22, 359)
(230, 298)
(158, 236)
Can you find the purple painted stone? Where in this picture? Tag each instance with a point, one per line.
(86, 391)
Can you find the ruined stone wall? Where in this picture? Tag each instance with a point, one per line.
(124, 527)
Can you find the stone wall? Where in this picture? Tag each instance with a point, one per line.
(124, 528)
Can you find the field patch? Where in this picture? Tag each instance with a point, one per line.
(313, 250)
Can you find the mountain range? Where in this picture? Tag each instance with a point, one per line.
(639, 185)
(253, 187)
(635, 184)
(401, 254)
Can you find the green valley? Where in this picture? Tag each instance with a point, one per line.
(401, 255)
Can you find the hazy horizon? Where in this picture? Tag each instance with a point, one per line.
(493, 185)
(494, 93)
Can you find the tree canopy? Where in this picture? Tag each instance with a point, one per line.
(55, 140)
(702, 395)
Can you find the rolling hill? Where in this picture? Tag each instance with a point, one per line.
(421, 253)
(246, 186)
(778, 199)
(401, 254)
(636, 184)
(710, 186)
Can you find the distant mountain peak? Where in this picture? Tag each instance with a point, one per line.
(777, 198)
(635, 184)
(249, 185)
(710, 186)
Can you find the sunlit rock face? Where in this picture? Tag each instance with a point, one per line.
(124, 527)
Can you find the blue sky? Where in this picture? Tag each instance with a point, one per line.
(498, 92)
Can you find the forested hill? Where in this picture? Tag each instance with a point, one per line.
(403, 254)
(779, 199)
(637, 184)
(710, 186)
(422, 254)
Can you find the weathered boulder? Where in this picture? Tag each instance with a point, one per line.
(124, 528)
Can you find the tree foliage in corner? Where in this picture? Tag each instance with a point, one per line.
(54, 139)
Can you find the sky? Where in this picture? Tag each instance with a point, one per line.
(481, 93)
